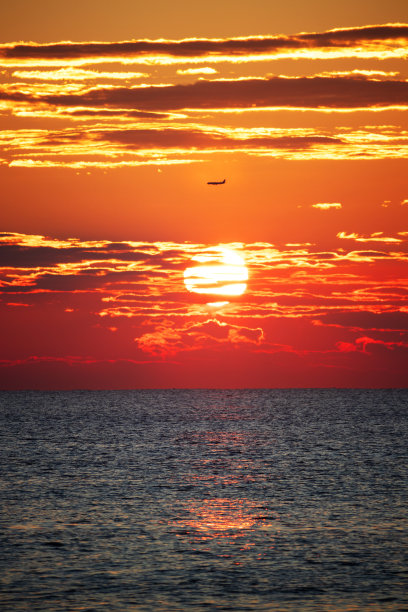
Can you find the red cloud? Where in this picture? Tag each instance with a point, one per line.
(364, 342)
(304, 310)
(168, 339)
(346, 347)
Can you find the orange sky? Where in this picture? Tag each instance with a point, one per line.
(112, 123)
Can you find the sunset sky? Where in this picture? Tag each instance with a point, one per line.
(114, 116)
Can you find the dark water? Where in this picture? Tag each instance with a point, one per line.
(282, 500)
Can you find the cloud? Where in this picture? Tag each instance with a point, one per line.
(134, 280)
(98, 164)
(115, 303)
(346, 347)
(169, 338)
(76, 74)
(35, 263)
(359, 73)
(385, 39)
(68, 360)
(274, 92)
(365, 343)
(374, 237)
(205, 139)
(43, 256)
(163, 341)
(193, 71)
(365, 320)
(327, 205)
(133, 143)
(226, 332)
(112, 113)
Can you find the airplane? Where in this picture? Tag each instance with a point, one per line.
(216, 182)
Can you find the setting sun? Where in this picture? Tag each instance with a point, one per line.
(219, 271)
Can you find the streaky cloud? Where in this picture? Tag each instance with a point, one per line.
(275, 92)
(202, 47)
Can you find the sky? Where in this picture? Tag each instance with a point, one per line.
(121, 268)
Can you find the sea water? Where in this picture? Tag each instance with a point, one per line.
(241, 500)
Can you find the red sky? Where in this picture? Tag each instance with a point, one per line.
(113, 121)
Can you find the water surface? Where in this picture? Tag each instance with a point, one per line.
(242, 500)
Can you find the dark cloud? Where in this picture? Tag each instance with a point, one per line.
(15, 255)
(353, 36)
(378, 254)
(14, 96)
(306, 92)
(168, 138)
(395, 320)
(88, 280)
(347, 37)
(104, 266)
(323, 255)
(117, 113)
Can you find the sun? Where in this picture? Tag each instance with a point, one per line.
(219, 271)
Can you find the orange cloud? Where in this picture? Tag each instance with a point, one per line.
(156, 144)
(169, 338)
(76, 74)
(374, 237)
(194, 71)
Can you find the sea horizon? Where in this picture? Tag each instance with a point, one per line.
(51, 390)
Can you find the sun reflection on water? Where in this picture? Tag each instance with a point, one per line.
(220, 515)
(224, 526)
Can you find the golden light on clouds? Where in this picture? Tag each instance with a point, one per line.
(75, 74)
(327, 205)
(218, 271)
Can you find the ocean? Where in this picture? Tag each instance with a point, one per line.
(291, 500)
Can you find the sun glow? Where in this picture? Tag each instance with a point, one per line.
(219, 271)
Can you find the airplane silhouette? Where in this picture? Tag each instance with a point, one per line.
(216, 182)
